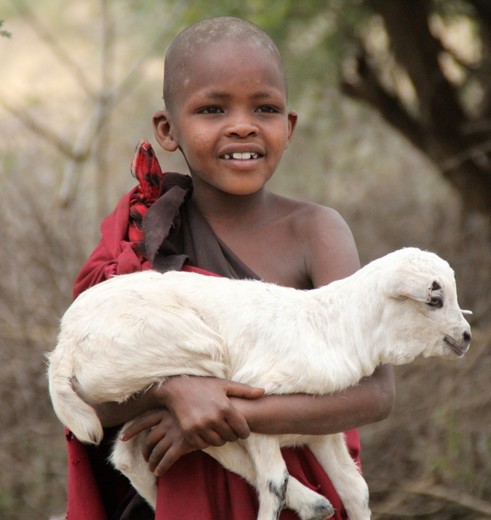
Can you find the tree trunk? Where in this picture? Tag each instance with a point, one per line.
(439, 127)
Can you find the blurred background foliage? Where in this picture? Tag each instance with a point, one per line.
(395, 133)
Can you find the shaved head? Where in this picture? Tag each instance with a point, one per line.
(209, 33)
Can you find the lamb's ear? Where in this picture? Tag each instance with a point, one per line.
(417, 287)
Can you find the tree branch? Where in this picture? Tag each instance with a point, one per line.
(124, 86)
(483, 20)
(417, 50)
(483, 10)
(451, 495)
(45, 132)
(52, 43)
(438, 126)
(363, 84)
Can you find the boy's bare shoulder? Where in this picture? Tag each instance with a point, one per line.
(328, 245)
(308, 218)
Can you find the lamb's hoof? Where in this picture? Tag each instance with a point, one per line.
(319, 510)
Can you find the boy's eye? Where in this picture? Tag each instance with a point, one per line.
(267, 109)
(210, 110)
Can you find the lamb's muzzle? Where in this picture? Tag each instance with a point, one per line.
(461, 346)
(132, 331)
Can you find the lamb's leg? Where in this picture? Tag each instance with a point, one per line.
(258, 459)
(127, 457)
(234, 457)
(333, 455)
(271, 474)
(247, 458)
(307, 503)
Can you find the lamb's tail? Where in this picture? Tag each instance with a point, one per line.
(70, 408)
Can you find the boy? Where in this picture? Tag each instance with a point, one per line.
(225, 96)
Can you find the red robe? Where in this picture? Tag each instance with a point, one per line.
(196, 487)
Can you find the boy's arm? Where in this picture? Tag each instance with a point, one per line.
(368, 402)
(167, 440)
(202, 407)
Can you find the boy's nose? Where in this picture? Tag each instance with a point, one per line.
(241, 127)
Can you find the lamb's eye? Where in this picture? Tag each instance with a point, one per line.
(436, 301)
(435, 296)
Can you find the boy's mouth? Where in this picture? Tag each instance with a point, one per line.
(241, 156)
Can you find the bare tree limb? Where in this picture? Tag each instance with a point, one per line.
(43, 131)
(438, 123)
(483, 9)
(104, 102)
(91, 138)
(363, 84)
(418, 50)
(46, 36)
(451, 495)
(127, 83)
(82, 146)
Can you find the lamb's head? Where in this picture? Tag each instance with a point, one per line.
(423, 309)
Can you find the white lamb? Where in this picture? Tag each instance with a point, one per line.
(132, 331)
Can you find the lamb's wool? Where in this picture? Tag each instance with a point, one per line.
(281, 339)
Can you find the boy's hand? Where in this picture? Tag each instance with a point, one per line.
(198, 414)
(164, 442)
(203, 410)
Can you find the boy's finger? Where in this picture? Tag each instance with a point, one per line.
(226, 433)
(244, 391)
(158, 453)
(214, 438)
(153, 439)
(138, 425)
(172, 455)
(239, 425)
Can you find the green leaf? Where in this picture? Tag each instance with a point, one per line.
(3, 32)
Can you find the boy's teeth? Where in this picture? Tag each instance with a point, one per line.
(241, 155)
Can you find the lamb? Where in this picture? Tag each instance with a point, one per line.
(132, 331)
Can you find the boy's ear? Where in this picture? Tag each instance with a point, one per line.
(163, 131)
(292, 123)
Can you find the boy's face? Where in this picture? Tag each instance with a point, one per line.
(230, 118)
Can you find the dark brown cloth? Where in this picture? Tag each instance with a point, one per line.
(177, 234)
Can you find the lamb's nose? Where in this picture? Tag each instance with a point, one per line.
(467, 336)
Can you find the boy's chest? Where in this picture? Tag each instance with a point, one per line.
(274, 253)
